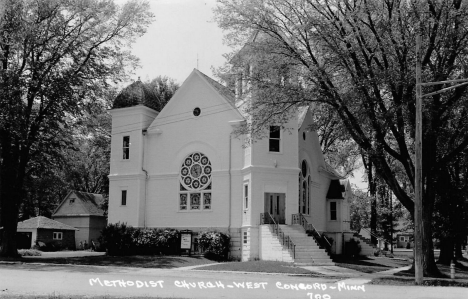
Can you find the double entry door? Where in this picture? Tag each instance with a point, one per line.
(275, 205)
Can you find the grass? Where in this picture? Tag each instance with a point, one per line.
(259, 266)
(370, 264)
(400, 281)
(138, 261)
(461, 271)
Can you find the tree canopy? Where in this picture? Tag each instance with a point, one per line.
(57, 59)
(358, 57)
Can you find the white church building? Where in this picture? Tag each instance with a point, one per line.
(182, 167)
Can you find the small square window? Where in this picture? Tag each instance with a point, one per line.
(124, 198)
(57, 235)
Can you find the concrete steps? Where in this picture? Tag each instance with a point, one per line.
(366, 246)
(271, 248)
(307, 251)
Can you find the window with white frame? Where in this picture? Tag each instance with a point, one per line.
(126, 147)
(57, 235)
(275, 139)
(123, 198)
(246, 196)
(195, 183)
(333, 213)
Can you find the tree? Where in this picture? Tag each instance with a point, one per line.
(359, 58)
(56, 58)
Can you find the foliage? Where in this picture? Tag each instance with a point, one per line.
(117, 239)
(120, 239)
(353, 247)
(358, 57)
(57, 58)
(215, 242)
(29, 252)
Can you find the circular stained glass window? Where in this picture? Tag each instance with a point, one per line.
(195, 172)
(196, 111)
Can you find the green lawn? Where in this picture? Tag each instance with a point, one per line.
(399, 281)
(138, 261)
(260, 266)
(371, 264)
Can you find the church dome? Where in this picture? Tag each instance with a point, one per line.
(135, 94)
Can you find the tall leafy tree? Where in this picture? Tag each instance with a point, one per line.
(56, 57)
(359, 58)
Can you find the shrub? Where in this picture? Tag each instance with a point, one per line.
(353, 248)
(117, 239)
(29, 252)
(215, 244)
(120, 239)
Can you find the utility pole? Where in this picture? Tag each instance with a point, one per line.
(418, 215)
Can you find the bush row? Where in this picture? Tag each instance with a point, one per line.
(121, 239)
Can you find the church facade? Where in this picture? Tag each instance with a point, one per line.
(182, 167)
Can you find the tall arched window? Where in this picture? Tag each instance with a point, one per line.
(304, 189)
(195, 183)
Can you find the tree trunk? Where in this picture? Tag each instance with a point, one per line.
(429, 264)
(9, 213)
(458, 249)
(372, 191)
(446, 251)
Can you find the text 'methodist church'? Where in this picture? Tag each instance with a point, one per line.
(182, 168)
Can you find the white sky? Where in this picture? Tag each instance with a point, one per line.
(182, 29)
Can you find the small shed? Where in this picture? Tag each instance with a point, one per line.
(83, 211)
(42, 229)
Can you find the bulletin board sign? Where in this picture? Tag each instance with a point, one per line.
(186, 241)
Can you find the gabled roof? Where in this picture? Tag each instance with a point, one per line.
(221, 89)
(91, 202)
(336, 190)
(44, 223)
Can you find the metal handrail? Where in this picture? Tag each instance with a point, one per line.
(310, 227)
(375, 236)
(286, 241)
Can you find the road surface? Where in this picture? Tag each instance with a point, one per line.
(43, 279)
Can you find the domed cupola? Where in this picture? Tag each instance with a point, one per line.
(137, 93)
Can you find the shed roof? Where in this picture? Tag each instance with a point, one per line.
(44, 223)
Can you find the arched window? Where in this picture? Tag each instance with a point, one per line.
(304, 189)
(195, 183)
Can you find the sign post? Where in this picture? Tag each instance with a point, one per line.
(186, 241)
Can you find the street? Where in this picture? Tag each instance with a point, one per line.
(40, 279)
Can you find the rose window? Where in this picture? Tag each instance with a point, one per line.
(195, 183)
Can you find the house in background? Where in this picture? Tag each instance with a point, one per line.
(183, 168)
(83, 211)
(47, 231)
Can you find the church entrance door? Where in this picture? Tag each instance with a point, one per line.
(275, 205)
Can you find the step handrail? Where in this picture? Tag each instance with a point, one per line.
(375, 236)
(310, 227)
(286, 241)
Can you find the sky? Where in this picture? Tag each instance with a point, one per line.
(182, 31)
(182, 37)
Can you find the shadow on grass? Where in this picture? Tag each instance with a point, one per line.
(139, 261)
(427, 282)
